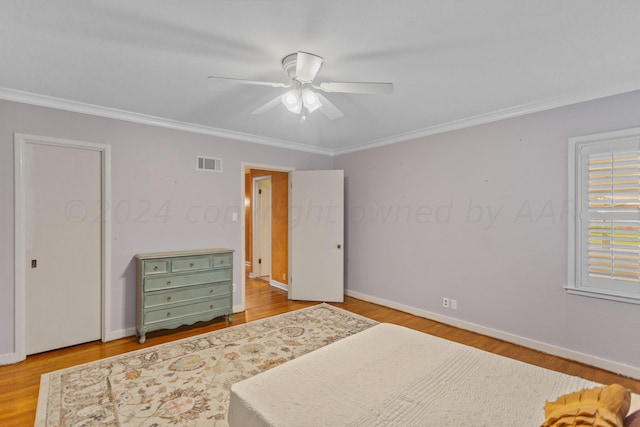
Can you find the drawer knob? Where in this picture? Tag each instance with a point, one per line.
(155, 268)
(211, 307)
(190, 264)
(221, 261)
(168, 314)
(210, 291)
(168, 298)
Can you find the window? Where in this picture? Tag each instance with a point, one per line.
(604, 233)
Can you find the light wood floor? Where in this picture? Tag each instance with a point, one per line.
(19, 383)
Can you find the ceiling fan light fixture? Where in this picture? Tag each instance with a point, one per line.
(292, 101)
(301, 68)
(310, 100)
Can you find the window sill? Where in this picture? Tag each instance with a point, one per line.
(597, 293)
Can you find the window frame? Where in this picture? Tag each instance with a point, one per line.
(576, 260)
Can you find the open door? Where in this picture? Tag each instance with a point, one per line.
(316, 224)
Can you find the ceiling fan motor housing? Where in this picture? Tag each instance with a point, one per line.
(290, 65)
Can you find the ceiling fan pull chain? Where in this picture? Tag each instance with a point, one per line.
(303, 115)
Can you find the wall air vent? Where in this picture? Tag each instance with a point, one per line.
(210, 164)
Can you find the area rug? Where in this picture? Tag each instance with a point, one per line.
(186, 382)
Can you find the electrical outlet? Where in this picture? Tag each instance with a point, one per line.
(445, 302)
(454, 304)
(233, 287)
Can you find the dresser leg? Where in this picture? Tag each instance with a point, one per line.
(229, 317)
(142, 339)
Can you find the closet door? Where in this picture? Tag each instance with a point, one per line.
(63, 246)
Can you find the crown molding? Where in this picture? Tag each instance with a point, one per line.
(494, 116)
(113, 113)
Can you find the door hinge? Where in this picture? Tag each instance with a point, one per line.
(259, 190)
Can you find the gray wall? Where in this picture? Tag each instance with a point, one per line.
(480, 215)
(159, 201)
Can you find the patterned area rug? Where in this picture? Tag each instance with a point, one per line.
(186, 382)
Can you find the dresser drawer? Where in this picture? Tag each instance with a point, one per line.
(222, 260)
(156, 267)
(156, 299)
(156, 283)
(178, 311)
(192, 263)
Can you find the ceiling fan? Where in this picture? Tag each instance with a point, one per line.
(301, 98)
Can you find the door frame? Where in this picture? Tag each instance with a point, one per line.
(243, 167)
(254, 223)
(20, 141)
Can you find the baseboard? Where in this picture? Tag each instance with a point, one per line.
(278, 285)
(10, 358)
(130, 332)
(122, 333)
(615, 367)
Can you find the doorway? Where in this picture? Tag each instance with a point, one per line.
(316, 219)
(278, 240)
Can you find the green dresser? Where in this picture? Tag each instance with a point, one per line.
(180, 288)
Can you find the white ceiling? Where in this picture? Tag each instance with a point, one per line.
(453, 62)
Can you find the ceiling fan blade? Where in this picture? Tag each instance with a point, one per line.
(357, 87)
(307, 66)
(268, 106)
(250, 82)
(328, 109)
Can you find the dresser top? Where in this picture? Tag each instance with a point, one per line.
(182, 253)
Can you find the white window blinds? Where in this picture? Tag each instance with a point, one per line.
(613, 188)
(604, 240)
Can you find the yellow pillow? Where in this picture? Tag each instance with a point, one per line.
(604, 406)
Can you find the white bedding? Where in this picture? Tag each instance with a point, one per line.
(390, 375)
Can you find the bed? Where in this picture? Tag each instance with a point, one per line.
(390, 375)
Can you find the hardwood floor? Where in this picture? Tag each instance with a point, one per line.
(19, 383)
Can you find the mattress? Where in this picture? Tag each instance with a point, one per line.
(390, 375)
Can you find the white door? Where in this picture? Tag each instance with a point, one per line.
(262, 228)
(63, 245)
(316, 224)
